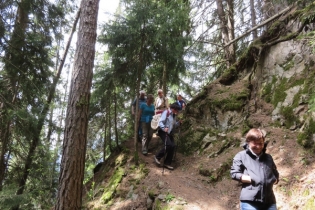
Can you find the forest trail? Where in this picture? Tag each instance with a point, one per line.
(184, 186)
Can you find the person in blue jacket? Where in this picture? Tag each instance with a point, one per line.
(142, 100)
(257, 172)
(145, 115)
(167, 124)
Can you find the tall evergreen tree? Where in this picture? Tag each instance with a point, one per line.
(74, 146)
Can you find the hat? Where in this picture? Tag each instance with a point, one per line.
(175, 106)
(142, 92)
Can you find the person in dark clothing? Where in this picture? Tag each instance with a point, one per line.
(181, 102)
(166, 125)
(257, 172)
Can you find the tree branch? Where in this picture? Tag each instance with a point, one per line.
(260, 25)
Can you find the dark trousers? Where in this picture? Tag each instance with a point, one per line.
(170, 147)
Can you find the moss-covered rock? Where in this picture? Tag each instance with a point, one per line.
(110, 188)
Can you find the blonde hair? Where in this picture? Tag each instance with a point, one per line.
(255, 134)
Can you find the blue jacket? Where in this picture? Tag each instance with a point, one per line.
(262, 171)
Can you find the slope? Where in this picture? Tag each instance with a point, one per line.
(268, 88)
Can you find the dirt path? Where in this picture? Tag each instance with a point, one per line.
(189, 189)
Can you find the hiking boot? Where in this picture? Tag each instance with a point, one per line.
(156, 160)
(168, 167)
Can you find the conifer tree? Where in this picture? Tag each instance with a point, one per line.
(74, 146)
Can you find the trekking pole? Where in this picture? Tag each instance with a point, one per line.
(164, 151)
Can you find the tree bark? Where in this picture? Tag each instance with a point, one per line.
(231, 34)
(227, 29)
(253, 18)
(115, 119)
(164, 79)
(70, 188)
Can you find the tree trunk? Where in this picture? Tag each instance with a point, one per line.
(253, 18)
(164, 79)
(227, 29)
(12, 62)
(109, 123)
(115, 119)
(105, 139)
(69, 194)
(231, 34)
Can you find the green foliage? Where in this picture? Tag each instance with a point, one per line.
(8, 199)
(305, 138)
(153, 31)
(91, 192)
(158, 205)
(169, 197)
(312, 103)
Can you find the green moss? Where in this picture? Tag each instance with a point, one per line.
(191, 141)
(143, 169)
(305, 138)
(110, 189)
(309, 204)
(266, 92)
(152, 194)
(230, 72)
(121, 159)
(288, 65)
(233, 102)
(246, 127)
(279, 92)
(289, 116)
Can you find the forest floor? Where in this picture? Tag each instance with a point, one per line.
(185, 188)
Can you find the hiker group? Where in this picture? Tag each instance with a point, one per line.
(157, 115)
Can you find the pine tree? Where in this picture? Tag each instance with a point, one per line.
(74, 146)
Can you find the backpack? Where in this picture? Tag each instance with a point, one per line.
(156, 119)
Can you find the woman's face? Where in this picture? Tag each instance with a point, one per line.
(150, 100)
(256, 146)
